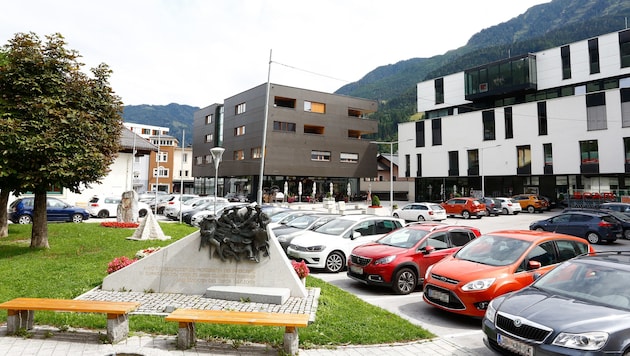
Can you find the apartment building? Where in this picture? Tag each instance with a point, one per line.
(554, 122)
(312, 139)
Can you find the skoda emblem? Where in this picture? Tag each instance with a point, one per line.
(518, 323)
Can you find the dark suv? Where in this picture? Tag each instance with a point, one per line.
(21, 211)
(493, 206)
(595, 226)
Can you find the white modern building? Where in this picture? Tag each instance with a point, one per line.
(554, 122)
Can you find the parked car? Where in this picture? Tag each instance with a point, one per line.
(582, 307)
(620, 207)
(531, 203)
(509, 206)
(464, 207)
(205, 209)
(399, 259)
(494, 264)
(236, 198)
(105, 207)
(420, 212)
(171, 200)
(329, 245)
(173, 211)
(285, 217)
(621, 218)
(493, 206)
(287, 232)
(21, 211)
(592, 225)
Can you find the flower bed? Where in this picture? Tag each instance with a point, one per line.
(121, 225)
(300, 268)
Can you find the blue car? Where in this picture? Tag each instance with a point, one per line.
(21, 211)
(593, 226)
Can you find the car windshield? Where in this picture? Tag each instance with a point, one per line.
(302, 222)
(589, 282)
(435, 207)
(493, 250)
(281, 215)
(335, 227)
(404, 238)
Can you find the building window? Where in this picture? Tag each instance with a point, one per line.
(315, 107)
(407, 166)
(488, 125)
(523, 160)
(239, 155)
(439, 91)
(548, 154)
(436, 131)
(284, 126)
(240, 108)
(565, 54)
(593, 55)
(199, 160)
(185, 157)
(420, 133)
(589, 153)
(542, 118)
(453, 163)
(208, 119)
(626, 147)
(208, 158)
(419, 165)
(239, 131)
(507, 117)
(208, 137)
(320, 156)
(146, 131)
(279, 101)
(624, 48)
(314, 130)
(473, 162)
(355, 113)
(160, 172)
(349, 157)
(162, 157)
(256, 153)
(625, 107)
(596, 111)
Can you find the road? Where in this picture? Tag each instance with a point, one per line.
(462, 330)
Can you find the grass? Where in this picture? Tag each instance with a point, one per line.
(77, 262)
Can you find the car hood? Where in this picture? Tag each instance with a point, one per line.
(465, 271)
(561, 313)
(376, 250)
(312, 238)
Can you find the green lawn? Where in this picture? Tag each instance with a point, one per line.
(77, 262)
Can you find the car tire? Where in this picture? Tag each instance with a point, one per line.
(335, 262)
(531, 209)
(626, 234)
(465, 214)
(405, 281)
(420, 218)
(142, 213)
(25, 219)
(103, 214)
(539, 229)
(593, 238)
(506, 212)
(77, 218)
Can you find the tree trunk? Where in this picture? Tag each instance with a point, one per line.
(39, 235)
(4, 219)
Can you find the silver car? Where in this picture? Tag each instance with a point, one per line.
(420, 212)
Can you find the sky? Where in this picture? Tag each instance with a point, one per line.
(200, 52)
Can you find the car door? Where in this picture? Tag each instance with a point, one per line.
(560, 224)
(543, 252)
(56, 210)
(408, 212)
(442, 248)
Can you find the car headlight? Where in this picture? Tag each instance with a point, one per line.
(491, 312)
(590, 341)
(384, 260)
(480, 284)
(317, 248)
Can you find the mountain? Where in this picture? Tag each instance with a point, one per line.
(178, 118)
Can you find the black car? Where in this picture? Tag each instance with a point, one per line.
(582, 307)
(594, 226)
(493, 206)
(622, 219)
(620, 207)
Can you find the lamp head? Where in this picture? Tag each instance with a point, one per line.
(217, 153)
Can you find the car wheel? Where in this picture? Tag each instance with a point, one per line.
(421, 218)
(335, 262)
(103, 214)
(593, 238)
(142, 213)
(531, 209)
(25, 219)
(465, 214)
(539, 229)
(77, 218)
(505, 211)
(404, 281)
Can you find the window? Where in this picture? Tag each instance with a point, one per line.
(160, 172)
(419, 165)
(146, 131)
(323, 156)
(209, 137)
(355, 112)
(208, 119)
(507, 117)
(565, 55)
(548, 153)
(593, 55)
(542, 118)
(354, 134)
(488, 125)
(314, 130)
(420, 133)
(624, 48)
(473, 162)
(625, 107)
(348, 157)
(589, 152)
(284, 126)
(315, 107)
(239, 131)
(185, 157)
(596, 111)
(240, 108)
(162, 157)
(453, 163)
(439, 91)
(626, 147)
(199, 160)
(436, 131)
(239, 155)
(523, 158)
(256, 153)
(208, 158)
(279, 101)
(407, 166)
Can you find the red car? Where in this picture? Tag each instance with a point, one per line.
(399, 259)
(464, 207)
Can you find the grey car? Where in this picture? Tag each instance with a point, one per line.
(582, 307)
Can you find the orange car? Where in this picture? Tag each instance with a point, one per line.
(495, 264)
(464, 207)
(531, 203)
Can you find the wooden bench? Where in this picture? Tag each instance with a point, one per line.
(188, 317)
(21, 311)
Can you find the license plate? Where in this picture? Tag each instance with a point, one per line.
(436, 294)
(356, 270)
(516, 346)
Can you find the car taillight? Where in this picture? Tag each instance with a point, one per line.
(171, 202)
(430, 213)
(605, 224)
(94, 204)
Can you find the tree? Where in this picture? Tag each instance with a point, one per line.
(59, 128)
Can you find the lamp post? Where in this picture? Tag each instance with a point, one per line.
(217, 153)
(391, 168)
(483, 183)
(157, 185)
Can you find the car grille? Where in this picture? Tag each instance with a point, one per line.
(444, 279)
(360, 261)
(525, 329)
(453, 300)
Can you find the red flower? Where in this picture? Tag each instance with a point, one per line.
(300, 268)
(118, 263)
(123, 225)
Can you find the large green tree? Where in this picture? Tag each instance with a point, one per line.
(59, 127)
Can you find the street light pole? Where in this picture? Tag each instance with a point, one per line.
(217, 153)
(483, 183)
(391, 170)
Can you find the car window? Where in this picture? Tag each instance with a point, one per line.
(438, 240)
(609, 219)
(94, 200)
(436, 207)
(580, 218)
(493, 250)
(365, 228)
(543, 253)
(567, 250)
(460, 238)
(561, 219)
(55, 203)
(404, 238)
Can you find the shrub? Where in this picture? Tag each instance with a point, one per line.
(118, 263)
(376, 201)
(300, 268)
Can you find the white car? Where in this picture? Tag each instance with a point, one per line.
(105, 207)
(420, 212)
(329, 245)
(509, 206)
(173, 211)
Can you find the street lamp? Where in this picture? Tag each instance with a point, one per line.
(483, 183)
(157, 185)
(217, 153)
(391, 168)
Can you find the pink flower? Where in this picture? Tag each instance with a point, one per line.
(300, 268)
(118, 263)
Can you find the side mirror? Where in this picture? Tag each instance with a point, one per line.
(355, 235)
(532, 265)
(427, 250)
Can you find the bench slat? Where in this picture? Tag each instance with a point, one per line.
(237, 317)
(85, 306)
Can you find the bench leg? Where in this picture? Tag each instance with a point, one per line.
(186, 336)
(291, 340)
(19, 319)
(117, 327)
